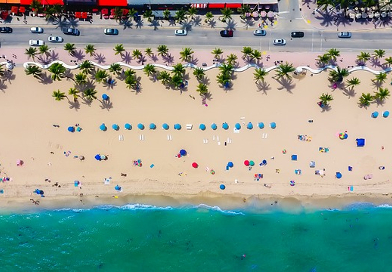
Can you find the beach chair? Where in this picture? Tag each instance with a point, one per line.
(189, 126)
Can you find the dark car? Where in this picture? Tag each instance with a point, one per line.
(71, 31)
(297, 34)
(227, 33)
(5, 29)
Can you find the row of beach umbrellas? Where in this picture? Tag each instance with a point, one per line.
(165, 126)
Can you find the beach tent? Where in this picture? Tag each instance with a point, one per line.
(360, 142)
(385, 114)
(214, 126)
(312, 164)
(128, 126)
(165, 126)
(177, 126)
(71, 129)
(222, 186)
(103, 127)
(115, 127)
(261, 125)
(225, 126)
(105, 97)
(183, 152)
(338, 175)
(249, 126)
(230, 164)
(375, 114)
(273, 125)
(140, 126)
(237, 126)
(202, 127)
(153, 126)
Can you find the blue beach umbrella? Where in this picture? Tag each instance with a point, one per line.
(230, 164)
(385, 114)
(183, 152)
(153, 126)
(98, 157)
(273, 125)
(222, 186)
(237, 126)
(375, 114)
(105, 97)
(338, 175)
(225, 126)
(115, 127)
(249, 126)
(140, 126)
(103, 127)
(202, 127)
(71, 129)
(128, 126)
(177, 126)
(117, 188)
(165, 126)
(214, 126)
(260, 125)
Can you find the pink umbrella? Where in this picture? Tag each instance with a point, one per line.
(263, 14)
(195, 165)
(246, 162)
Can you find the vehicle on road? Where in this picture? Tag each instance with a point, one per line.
(227, 33)
(71, 31)
(180, 32)
(5, 29)
(55, 39)
(37, 29)
(36, 42)
(259, 32)
(110, 31)
(297, 34)
(344, 34)
(279, 42)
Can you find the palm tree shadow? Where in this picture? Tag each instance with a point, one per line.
(187, 25)
(194, 60)
(74, 104)
(349, 92)
(86, 101)
(154, 57)
(69, 75)
(128, 24)
(3, 86)
(212, 23)
(139, 24)
(79, 54)
(155, 24)
(53, 55)
(110, 85)
(168, 59)
(326, 17)
(197, 20)
(45, 78)
(375, 62)
(126, 57)
(100, 58)
(326, 108)
(376, 84)
(230, 24)
(208, 96)
(8, 76)
(263, 86)
(287, 83)
(205, 80)
(106, 104)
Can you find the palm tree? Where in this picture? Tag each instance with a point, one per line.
(363, 57)
(33, 70)
(70, 48)
(247, 52)
(129, 73)
(217, 52)
(176, 81)
(179, 16)
(115, 68)
(58, 96)
(226, 69)
(80, 78)
(388, 61)
(90, 49)
(137, 54)
(223, 79)
(131, 82)
(231, 59)
(365, 99)
(284, 70)
(199, 73)
(209, 16)
(226, 14)
(260, 74)
(162, 50)
(90, 94)
(353, 82)
(132, 12)
(380, 78)
(148, 52)
(379, 53)
(323, 59)
(36, 6)
(338, 75)
(192, 12)
(178, 70)
(100, 76)
(44, 49)
(256, 54)
(333, 53)
(166, 14)
(118, 49)
(202, 89)
(31, 52)
(149, 69)
(325, 98)
(86, 67)
(186, 54)
(74, 93)
(382, 94)
(164, 77)
(148, 14)
(57, 70)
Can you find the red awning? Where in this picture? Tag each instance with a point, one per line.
(104, 11)
(112, 3)
(22, 9)
(14, 9)
(84, 15)
(78, 14)
(52, 2)
(220, 6)
(233, 5)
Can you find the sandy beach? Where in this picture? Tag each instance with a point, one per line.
(52, 153)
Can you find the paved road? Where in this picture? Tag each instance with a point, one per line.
(316, 41)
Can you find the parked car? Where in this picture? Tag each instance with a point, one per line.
(180, 32)
(259, 32)
(279, 42)
(5, 29)
(71, 31)
(37, 29)
(110, 31)
(36, 42)
(55, 39)
(297, 34)
(227, 33)
(344, 34)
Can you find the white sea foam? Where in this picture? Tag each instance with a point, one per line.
(217, 208)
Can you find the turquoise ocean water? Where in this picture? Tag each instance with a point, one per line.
(202, 238)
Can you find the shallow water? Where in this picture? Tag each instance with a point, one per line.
(202, 238)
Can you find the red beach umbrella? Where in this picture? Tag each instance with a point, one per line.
(246, 162)
(195, 165)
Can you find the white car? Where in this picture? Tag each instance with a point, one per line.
(36, 42)
(37, 29)
(55, 39)
(180, 32)
(279, 42)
